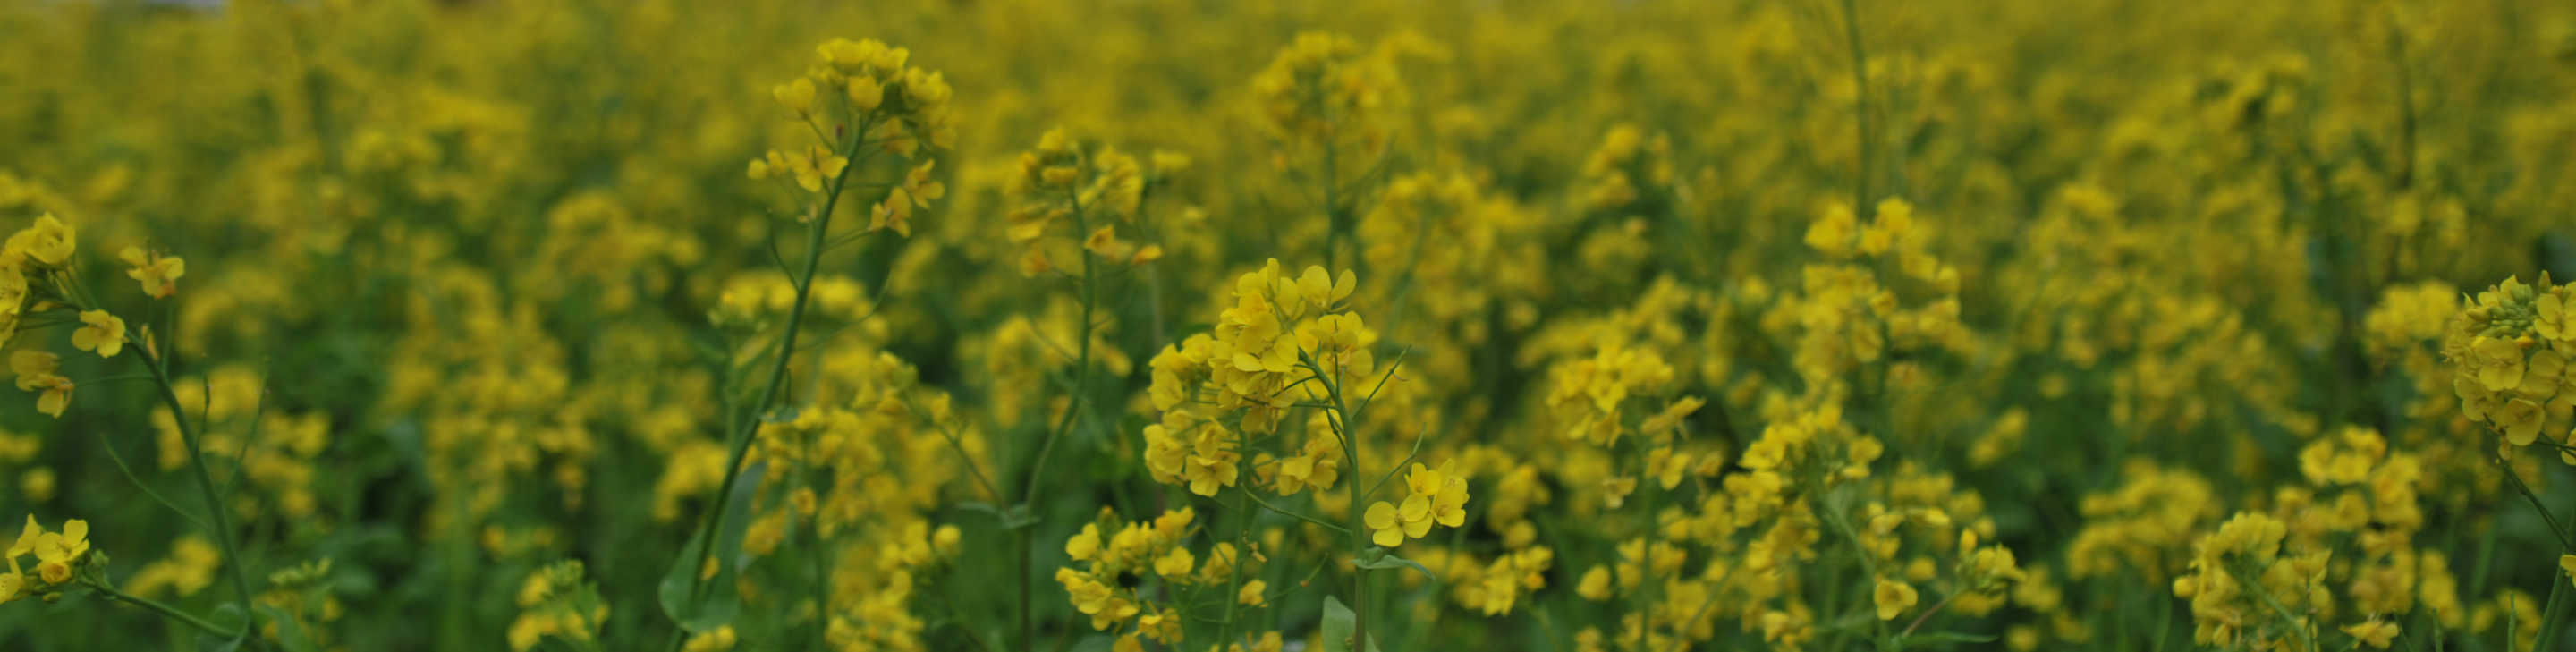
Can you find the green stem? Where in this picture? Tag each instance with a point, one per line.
(166, 611)
(1860, 90)
(749, 429)
(1342, 427)
(1072, 407)
(2549, 614)
(215, 510)
(1234, 570)
(1644, 603)
(1247, 493)
(2525, 490)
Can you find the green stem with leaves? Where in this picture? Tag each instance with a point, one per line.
(748, 430)
(1064, 424)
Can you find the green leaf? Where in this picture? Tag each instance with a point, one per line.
(227, 616)
(1013, 518)
(1942, 638)
(1338, 623)
(716, 604)
(1384, 559)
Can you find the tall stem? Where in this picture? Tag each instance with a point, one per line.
(1860, 91)
(166, 611)
(1072, 407)
(749, 429)
(216, 512)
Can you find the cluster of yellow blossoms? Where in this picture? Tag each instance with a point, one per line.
(867, 87)
(1285, 339)
(37, 276)
(558, 602)
(1437, 496)
(59, 557)
(1060, 181)
(2512, 345)
(1108, 586)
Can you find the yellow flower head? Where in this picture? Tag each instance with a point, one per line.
(58, 395)
(2374, 633)
(57, 551)
(159, 274)
(1384, 527)
(33, 367)
(101, 332)
(797, 95)
(1893, 597)
(48, 243)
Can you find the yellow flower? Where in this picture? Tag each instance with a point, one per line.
(158, 274)
(1250, 594)
(26, 543)
(2374, 633)
(893, 213)
(33, 367)
(719, 640)
(918, 185)
(101, 332)
(1175, 565)
(1832, 233)
(866, 92)
(2520, 419)
(58, 395)
(926, 90)
(1416, 512)
(1595, 585)
(1447, 492)
(797, 95)
(2567, 564)
(57, 551)
(48, 243)
(1083, 546)
(1383, 526)
(816, 165)
(1893, 597)
(2550, 318)
(2499, 362)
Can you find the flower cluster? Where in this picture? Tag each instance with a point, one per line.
(1285, 339)
(1117, 559)
(1436, 495)
(1060, 181)
(857, 98)
(558, 602)
(60, 556)
(2511, 345)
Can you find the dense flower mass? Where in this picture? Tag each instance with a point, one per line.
(1044, 326)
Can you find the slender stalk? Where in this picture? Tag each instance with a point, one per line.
(1643, 603)
(1234, 570)
(1860, 90)
(2525, 490)
(1247, 493)
(166, 611)
(1072, 407)
(749, 428)
(2549, 615)
(1359, 536)
(215, 510)
(1927, 615)
(1028, 566)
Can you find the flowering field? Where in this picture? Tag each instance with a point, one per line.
(1269, 326)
